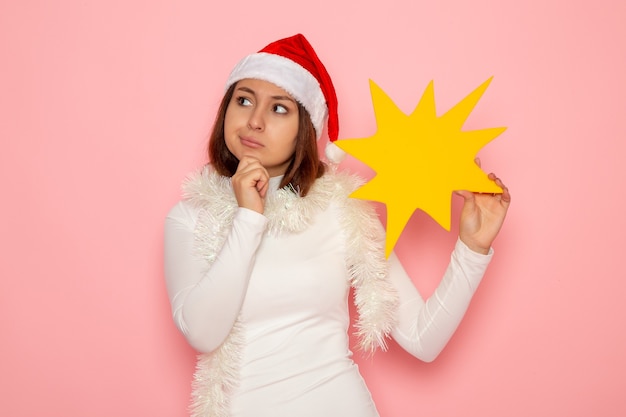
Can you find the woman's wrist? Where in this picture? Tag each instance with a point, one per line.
(475, 247)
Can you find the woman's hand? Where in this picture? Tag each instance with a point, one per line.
(482, 216)
(250, 184)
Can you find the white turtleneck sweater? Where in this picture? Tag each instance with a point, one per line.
(290, 293)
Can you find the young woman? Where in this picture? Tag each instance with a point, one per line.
(262, 251)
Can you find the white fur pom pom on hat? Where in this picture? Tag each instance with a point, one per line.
(334, 153)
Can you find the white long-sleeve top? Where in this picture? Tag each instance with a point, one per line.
(290, 295)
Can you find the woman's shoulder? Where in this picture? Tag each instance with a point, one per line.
(341, 181)
(205, 185)
(183, 213)
(336, 188)
(201, 188)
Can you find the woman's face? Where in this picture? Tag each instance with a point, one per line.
(262, 122)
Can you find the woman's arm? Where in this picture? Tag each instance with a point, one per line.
(424, 327)
(206, 300)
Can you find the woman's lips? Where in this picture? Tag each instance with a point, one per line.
(251, 143)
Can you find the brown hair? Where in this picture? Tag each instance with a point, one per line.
(305, 166)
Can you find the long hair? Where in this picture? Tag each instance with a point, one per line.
(305, 166)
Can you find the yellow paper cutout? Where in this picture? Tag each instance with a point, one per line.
(421, 159)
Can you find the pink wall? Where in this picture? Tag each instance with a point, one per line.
(105, 107)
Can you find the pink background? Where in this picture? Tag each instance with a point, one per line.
(105, 106)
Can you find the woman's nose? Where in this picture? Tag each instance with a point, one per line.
(256, 122)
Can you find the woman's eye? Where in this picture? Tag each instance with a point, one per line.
(280, 109)
(243, 101)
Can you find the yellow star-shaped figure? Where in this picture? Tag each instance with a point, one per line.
(420, 159)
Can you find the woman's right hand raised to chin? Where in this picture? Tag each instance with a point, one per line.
(250, 184)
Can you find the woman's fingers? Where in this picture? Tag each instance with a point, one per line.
(250, 184)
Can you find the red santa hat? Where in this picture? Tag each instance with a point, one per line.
(293, 65)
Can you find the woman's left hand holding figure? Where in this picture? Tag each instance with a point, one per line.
(482, 216)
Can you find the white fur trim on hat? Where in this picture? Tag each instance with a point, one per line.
(288, 75)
